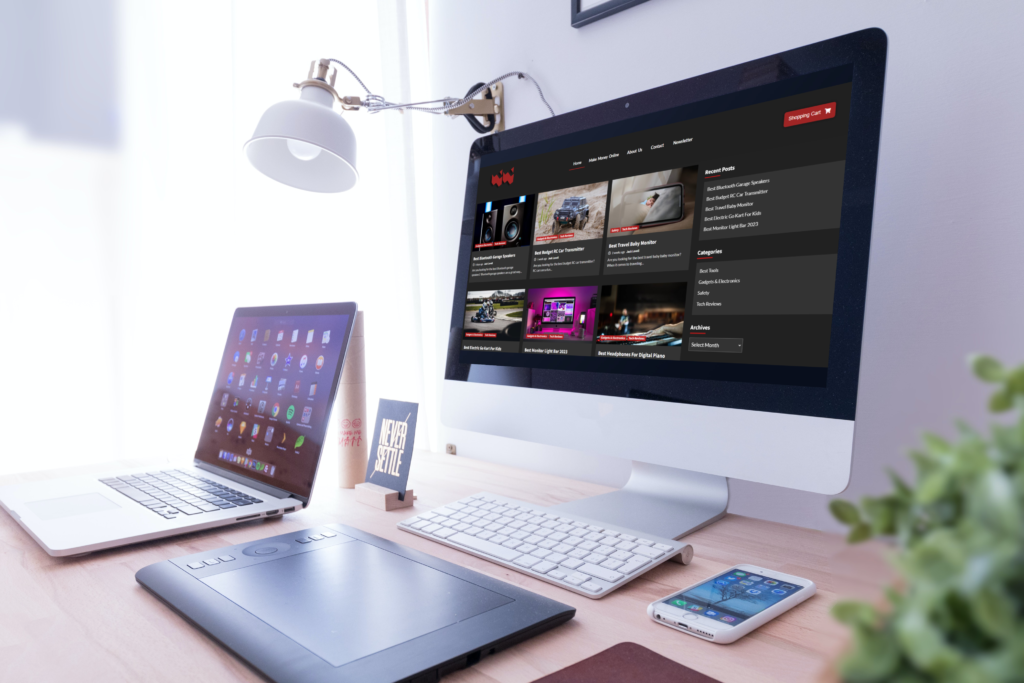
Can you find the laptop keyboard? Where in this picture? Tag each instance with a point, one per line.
(173, 493)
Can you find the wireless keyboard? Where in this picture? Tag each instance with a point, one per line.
(582, 555)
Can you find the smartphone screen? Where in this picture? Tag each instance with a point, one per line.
(733, 597)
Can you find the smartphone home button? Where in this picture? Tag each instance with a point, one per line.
(690, 617)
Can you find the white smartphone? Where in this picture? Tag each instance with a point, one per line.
(730, 605)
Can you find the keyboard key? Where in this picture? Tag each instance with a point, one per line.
(576, 580)
(610, 533)
(644, 541)
(557, 558)
(572, 563)
(485, 547)
(189, 509)
(512, 543)
(594, 536)
(544, 567)
(207, 507)
(526, 561)
(535, 539)
(547, 543)
(599, 572)
(557, 574)
(494, 527)
(621, 555)
(634, 564)
(445, 533)
(579, 554)
(562, 548)
(423, 523)
(609, 541)
(587, 545)
(462, 526)
(519, 535)
(472, 531)
(573, 541)
(592, 587)
(196, 565)
(484, 535)
(498, 538)
(432, 528)
(625, 545)
(594, 558)
(662, 546)
(526, 548)
(558, 536)
(544, 533)
(595, 528)
(612, 564)
(604, 550)
(649, 552)
(541, 553)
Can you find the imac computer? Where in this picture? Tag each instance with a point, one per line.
(690, 295)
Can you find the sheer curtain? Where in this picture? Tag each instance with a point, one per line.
(123, 263)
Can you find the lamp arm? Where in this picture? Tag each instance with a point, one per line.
(376, 103)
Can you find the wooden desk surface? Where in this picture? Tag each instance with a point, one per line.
(87, 619)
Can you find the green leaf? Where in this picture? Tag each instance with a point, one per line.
(1015, 382)
(875, 656)
(844, 511)
(860, 532)
(1001, 401)
(924, 644)
(987, 368)
(854, 613)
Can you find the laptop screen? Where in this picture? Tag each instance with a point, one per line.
(270, 408)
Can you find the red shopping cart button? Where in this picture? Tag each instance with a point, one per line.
(801, 116)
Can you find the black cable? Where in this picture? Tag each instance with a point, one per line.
(491, 119)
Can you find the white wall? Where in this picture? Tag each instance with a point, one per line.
(945, 277)
(122, 262)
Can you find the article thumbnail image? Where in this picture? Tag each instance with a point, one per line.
(504, 224)
(494, 314)
(642, 315)
(572, 214)
(561, 313)
(653, 202)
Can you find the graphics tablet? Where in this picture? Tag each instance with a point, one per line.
(336, 604)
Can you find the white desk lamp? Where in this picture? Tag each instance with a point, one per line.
(306, 144)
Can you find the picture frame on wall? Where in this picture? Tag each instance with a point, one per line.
(583, 12)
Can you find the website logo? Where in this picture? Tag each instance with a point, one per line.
(503, 178)
(309, 337)
(275, 410)
(319, 362)
(326, 339)
(307, 412)
(290, 413)
(221, 419)
(236, 356)
(231, 423)
(303, 361)
(299, 441)
(270, 435)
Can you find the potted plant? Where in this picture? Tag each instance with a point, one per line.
(957, 614)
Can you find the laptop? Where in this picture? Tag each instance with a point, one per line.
(259, 446)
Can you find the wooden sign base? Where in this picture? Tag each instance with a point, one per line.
(382, 498)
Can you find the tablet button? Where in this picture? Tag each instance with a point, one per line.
(690, 617)
(196, 565)
(264, 549)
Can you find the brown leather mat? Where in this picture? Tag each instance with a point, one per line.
(626, 662)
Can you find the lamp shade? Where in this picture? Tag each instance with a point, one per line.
(304, 143)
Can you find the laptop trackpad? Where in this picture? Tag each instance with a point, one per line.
(351, 600)
(69, 506)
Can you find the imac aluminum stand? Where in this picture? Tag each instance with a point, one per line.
(664, 501)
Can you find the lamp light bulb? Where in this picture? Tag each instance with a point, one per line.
(303, 150)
